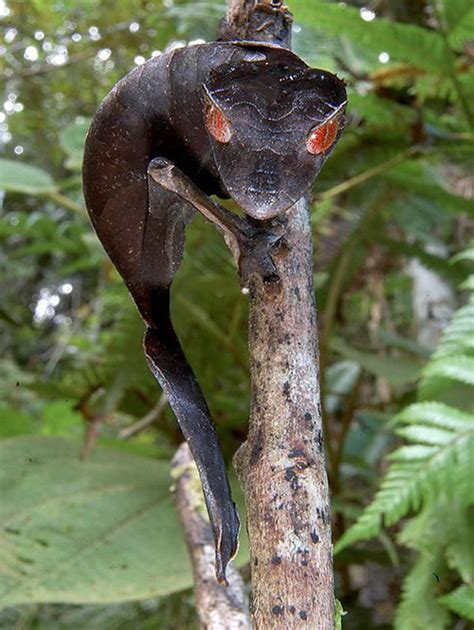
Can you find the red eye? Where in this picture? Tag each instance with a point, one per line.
(321, 138)
(217, 124)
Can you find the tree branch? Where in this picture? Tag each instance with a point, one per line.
(218, 606)
(281, 466)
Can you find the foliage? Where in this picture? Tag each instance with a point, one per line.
(392, 206)
(432, 477)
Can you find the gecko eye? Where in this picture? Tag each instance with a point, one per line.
(321, 138)
(217, 124)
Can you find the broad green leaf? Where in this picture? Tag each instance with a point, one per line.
(396, 370)
(103, 530)
(72, 141)
(24, 178)
(460, 601)
(14, 422)
(462, 30)
(404, 42)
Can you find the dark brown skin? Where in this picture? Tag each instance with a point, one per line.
(248, 121)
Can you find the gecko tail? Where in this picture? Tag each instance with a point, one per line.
(171, 369)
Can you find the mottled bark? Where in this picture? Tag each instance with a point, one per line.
(218, 606)
(257, 20)
(281, 465)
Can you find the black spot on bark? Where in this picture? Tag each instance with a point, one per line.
(323, 515)
(291, 476)
(292, 609)
(257, 449)
(303, 615)
(319, 441)
(277, 610)
(296, 452)
(276, 560)
(286, 391)
(314, 537)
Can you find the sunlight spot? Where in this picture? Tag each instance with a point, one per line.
(31, 53)
(4, 10)
(367, 14)
(10, 35)
(384, 57)
(139, 60)
(18, 150)
(66, 288)
(94, 33)
(104, 54)
(39, 35)
(134, 27)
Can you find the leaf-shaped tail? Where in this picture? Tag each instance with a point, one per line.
(173, 372)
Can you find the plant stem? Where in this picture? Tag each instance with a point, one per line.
(361, 178)
(65, 202)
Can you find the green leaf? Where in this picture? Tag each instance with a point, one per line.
(463, 29)
(103, 530)
(14, 422)
(460, 601)
(436, 414)
(72, 141)
(24, 178)
(460, 368)
(396, 370)
(404, 42)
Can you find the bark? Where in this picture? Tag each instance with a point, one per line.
(218, 606)
(281, 466)
(257, 20)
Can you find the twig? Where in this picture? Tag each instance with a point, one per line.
(65, 202)
(145, 422)
(219, 607)
(361, 178)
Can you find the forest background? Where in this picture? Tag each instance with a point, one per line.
(96, 543)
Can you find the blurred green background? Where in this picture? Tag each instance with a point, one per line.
(96, 543)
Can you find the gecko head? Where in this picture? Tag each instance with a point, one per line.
(272, 121)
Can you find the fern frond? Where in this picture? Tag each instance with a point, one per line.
(460, 601)
(437, 415)
(419, 607)
(420, 470)
(460, 368)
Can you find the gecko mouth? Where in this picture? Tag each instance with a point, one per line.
(262, 204)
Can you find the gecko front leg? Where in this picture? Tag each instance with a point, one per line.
(250, 241)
